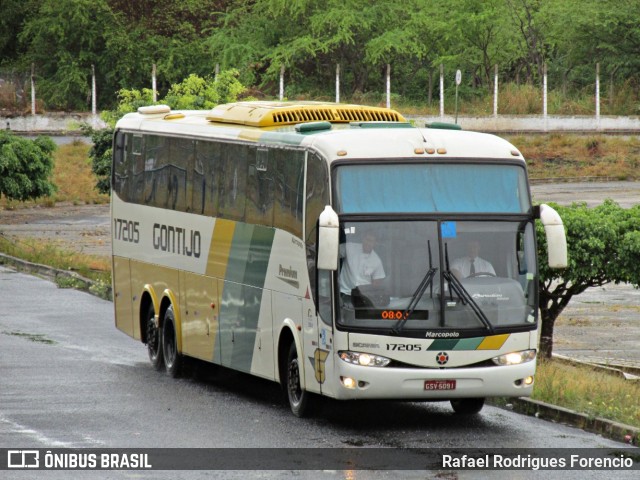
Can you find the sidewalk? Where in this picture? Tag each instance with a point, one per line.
(602, 326)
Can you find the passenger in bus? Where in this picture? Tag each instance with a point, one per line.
(472, 265)
(361, 265)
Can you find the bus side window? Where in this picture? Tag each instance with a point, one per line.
(180, 157)
(137, 159)
(289, 180)
(260, 188)
(206, 187)
(234, 162)
(121, 166)
(156, 151)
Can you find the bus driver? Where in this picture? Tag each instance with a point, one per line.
(361, 265)
(471, 264)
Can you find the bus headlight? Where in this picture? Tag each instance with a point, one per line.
(515, 358)
(364, 359)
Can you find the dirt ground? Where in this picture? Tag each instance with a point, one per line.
(601, 325)
(83, 228)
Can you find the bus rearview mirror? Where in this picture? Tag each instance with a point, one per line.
(328, 239)
(556, 237)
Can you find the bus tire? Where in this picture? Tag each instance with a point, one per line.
(467, 406)
(172, 358)
(154, 340)
(299, 399)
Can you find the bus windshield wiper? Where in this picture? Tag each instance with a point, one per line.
(427, 280)
(457, 288)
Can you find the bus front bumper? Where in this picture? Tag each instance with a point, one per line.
(357, 382)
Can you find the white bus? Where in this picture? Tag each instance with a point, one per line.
(328, 247)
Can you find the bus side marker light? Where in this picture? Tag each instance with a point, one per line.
(419, 151)
(342, 153)
(442, 151)
(431, 151)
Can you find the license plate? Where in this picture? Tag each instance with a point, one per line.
(439, 384)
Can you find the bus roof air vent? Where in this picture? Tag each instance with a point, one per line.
(154, 109)
(273, 114)
(443, 126)
(381, 125)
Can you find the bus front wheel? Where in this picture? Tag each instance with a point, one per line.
(467, 406)
(172, 358)
(154, 340)
(299, 399)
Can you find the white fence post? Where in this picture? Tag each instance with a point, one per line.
(598, 95)
(281, 82)
(544, 95)
(33, 89)
(93, 90)
(153, 84)
(495, 91)
(388, 85)
(337, 83)
(441, 90)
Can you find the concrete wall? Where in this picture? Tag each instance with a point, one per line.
(61, 123)
(538, 123)
(51, 123)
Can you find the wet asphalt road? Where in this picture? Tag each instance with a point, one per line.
(69, 379)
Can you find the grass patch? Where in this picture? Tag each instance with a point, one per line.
(72, 175)
(576, 156)
(50, 254)
(592, 391)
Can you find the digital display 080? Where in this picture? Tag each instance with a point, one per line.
(389, 314)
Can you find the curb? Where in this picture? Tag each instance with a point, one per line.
(62, 278)
(607, 428)
(527, 406)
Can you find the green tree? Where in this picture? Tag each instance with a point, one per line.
(64, 39)
(14, 14)
(604, 247)
(100, 155)
(193, 93)
(591, 31)
(26, 167)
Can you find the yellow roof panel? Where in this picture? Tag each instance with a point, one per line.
(270, 114)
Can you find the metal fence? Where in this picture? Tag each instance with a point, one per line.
(18, 90)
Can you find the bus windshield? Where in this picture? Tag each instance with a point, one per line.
(431, 188)
(423, 275)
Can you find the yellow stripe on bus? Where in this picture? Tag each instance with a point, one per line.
(220, 246)
(493, 343)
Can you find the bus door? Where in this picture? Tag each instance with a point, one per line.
(319, 347)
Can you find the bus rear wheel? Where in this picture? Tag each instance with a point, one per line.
(299, 399)
(467, 406)
(154, 340)
(172, 358)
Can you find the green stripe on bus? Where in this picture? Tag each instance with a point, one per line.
(477, 343)
(469, 343)
(443, 344)
(242, 295)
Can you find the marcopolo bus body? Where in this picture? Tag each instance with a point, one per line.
(335, 249)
